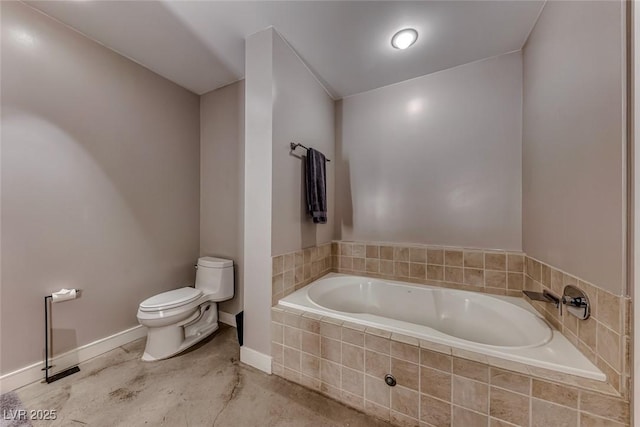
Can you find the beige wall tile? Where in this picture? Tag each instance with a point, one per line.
(435, 272)
(435, 383)
(469, 369)
(609, 310)
(473, 277)
(511, 381)
(277, 333)
(417, 271)
(435, 256)
(453, 274)
(376, 364)
(515, 263)
(310, 324)
(353, 400)
(515, 281)
(405, 401)
(474, 259)
(401, 269)
(330, 330)
(373, 251)
(291, 359)
(508, 406)
(352, 336)
(292, 337)
(310, 343)
(372, 265)
(587, 332)
(330, 373)
(359, 264)
(470, 394)
(330, 349)
(379, 344)
(358, 250)
(277, 265)
(401, 254)
(346, 249)
(289, 261)
(345, 262)
(407, 374)
(353, 356)
(310, 365)
(607, 407)
(434, 412)
(465, 418)
(453, 258)
(495, 279)
(418, 255)
(386, 267)
(377, 391)
(353, 381)
(277, 284)
(435, 360)
(588, 420)
(403, 351)
(386, 252)
(545, 414)
(609, 347)
(277, 353)
(495, 261)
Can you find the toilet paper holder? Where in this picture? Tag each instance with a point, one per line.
(67, 295)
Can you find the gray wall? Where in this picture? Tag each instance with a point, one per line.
(573, 141)
(302, 112)
(222, 180)
(436, 159)
(257, 192)
(100, 185)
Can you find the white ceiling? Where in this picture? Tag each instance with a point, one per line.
(200, 44)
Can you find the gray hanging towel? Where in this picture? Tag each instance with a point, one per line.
(316, 180)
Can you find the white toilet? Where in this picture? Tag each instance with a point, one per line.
(178, 319)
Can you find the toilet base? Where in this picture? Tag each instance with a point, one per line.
(166, 341)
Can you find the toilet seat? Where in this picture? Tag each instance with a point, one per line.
(170, 299)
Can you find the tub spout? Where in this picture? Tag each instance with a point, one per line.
(544, 296)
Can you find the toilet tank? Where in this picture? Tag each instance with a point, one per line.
(214, 276)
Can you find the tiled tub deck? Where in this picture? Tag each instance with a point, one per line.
(437, 385)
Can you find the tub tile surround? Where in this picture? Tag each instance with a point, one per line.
(295, 270)
(346, 361)
(437, 385)
(490, 271)
(604, 337)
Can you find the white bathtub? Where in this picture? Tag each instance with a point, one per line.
(507, 328)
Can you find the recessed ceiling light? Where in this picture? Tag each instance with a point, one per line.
(404, 38)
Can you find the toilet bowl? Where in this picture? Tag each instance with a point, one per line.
(178, 319)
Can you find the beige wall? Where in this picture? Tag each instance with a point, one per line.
(302, 112)
(435, 160)
(573, 141)
(257, 193)
(100, 185)
(222, 180)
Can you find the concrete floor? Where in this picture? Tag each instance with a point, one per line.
(206, 386)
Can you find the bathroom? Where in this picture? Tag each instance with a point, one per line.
(493, 155)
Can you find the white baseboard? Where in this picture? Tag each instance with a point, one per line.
(256, 359)
(227, 318)
(32, 373)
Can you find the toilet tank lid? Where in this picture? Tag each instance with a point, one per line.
(209, 261)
